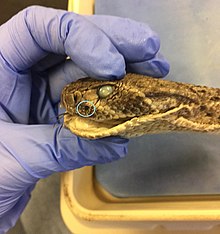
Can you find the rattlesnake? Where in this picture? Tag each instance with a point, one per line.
(138, 105)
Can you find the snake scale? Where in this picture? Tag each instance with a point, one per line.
(138, 105)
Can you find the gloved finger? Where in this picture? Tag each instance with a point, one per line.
(58, 32)
(155, 67)
(136, 41)
(48, 62)
(61, 76)
(44, 149)
(69, 72)
(12, 207)
(47, 89)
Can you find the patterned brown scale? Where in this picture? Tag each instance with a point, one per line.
(138, 105)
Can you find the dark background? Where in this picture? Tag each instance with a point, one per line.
(8, 8)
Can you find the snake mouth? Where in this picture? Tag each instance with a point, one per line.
(92, 129)
(77, 123)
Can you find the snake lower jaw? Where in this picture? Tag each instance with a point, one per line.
(87, 127)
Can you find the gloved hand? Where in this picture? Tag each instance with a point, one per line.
(33, 70)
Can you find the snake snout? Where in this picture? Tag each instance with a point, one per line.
(70, 100)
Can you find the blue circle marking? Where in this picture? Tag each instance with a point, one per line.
(85, 101)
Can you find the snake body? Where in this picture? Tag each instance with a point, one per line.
(138, 105)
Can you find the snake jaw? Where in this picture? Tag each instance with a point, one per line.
(86, 126)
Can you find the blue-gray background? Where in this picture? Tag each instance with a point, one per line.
(172, 164)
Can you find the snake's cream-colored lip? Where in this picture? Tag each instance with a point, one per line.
(85, 127)
(86, 124)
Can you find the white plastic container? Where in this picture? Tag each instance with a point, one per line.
(88, 208)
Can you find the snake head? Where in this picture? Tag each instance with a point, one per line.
(137, 105)
(104, 100)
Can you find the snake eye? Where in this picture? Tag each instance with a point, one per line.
(105, 91)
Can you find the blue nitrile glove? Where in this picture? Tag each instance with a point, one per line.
(32, 76)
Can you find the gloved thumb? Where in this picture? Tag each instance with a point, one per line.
(44, 149)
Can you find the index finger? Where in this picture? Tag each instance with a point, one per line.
(36, 31)
(136, 41)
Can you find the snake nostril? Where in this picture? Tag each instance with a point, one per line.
(77, 97)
